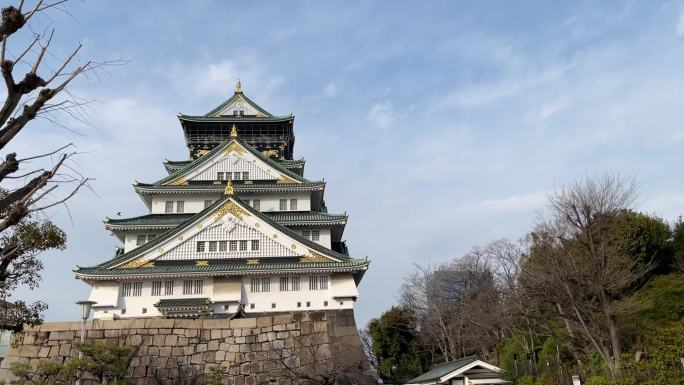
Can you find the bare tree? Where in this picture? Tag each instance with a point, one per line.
(36, 89)
(577, 266)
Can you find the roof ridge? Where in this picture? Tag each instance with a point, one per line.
(231, 99)
(171, 233)
(204, 158)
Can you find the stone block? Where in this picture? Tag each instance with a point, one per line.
(109, 333)
(213, 345)
(65, 350)
(62, 335)
(201, 348)
(216, 323)
(165, 331)
(153, 351)
(159, 323)
(320, 327)
(165, 351)
(189, 350)
(196, 358)
(58, 326)
(44, 352)
(171, 340)
(191, 333)
(245, 368)
(243, 323)
(226, 333)
(280, 328)
(182, 341)
(263, 322)
(250, 380)
(220, 356)
(282, 319)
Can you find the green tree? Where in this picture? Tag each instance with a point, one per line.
(395, 344)
(644, 237)
(106, 364)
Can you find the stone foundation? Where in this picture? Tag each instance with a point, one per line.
(250, 350)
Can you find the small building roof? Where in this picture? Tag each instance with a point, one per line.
(484, 372)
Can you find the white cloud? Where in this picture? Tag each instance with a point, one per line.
(382, 114)
(680, 25)
(547, 110)
(330, 90)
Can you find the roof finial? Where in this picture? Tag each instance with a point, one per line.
(233, 132)
(229, 189)
(238, 86)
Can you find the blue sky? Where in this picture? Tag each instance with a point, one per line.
(438, 125)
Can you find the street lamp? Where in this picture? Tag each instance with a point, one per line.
(85, 314)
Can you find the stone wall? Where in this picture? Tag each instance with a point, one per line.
(252, 351)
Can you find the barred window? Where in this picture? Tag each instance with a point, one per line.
(169, 207)
(293, 204)
(223, 245)
(220, 176)
(150, 237)
(207, 203)
(137, 289)
(318, 282)
(212, 246)
(243, 245)
(295, 283)
(131, 289)
(229, 176)
(306, 234)
(199, 284)
(142, 238)
(266, 284)
(180, 206)
(255, 245)
(255, 285)
(245, 175)
(256, 204)
(156, 288)
(236, 175)
(200, 246)
(284, 283)
(283, 204)
(168, 287)
(315, 235)
(233, 246)
(126, 288)
(187, 287)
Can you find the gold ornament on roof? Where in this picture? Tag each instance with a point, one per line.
(202, 263)
(232, 208)
(285, 180)
(133, 264)
(253, 261)
(234, 147)
(229, 189)
(313, 258)
(238, 86)
(233, 132)
(178, 182)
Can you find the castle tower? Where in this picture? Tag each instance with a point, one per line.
(234, 230)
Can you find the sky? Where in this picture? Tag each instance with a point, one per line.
(437, 125)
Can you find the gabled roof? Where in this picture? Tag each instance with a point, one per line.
(223, 206)
(443, 372)
(232, 145)
(169, 221)
(174, 165)
(239, 186)
(237, 96)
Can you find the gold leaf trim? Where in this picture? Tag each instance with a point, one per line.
(234, 147)
(178, 182)
(230, 208)
(313, 258)
(202, 263)
(134, 264)
(253, 261)
(285, 179)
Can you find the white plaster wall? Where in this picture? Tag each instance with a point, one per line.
(131, 238)
(195, 203)
(285, 300)
(325, 237)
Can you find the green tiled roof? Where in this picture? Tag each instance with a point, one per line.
(106, 266)
(442, 370)
(183, 302)
(174, 165)
(169, 221)
(150, 221)
(239, 187)
(232, 98)
(222, 269)
(236, 119)
(287, 217)
(205, 158)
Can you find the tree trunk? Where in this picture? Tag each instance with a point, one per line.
(611, 321)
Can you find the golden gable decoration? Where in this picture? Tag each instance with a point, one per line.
(230, 208)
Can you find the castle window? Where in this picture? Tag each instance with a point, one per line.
(265, 285)
(187, 287)
(156, 288)
(144, 310)
(123, 311)
(233, 245)
(169, 207)
(180, 206)
(168, 287)
(245, 175)
(325, 303)
(247, 202)
(243, 245)
(315, 235)
(293, 204)
(200, 246)
(251, 306)
(220, 176)
(283, 204)
(131, 289)
(150, 237)
(255, 245)
(142, 238)
(273, 306)
(229, 176)
(236, 175)
(306, 234)
(299, 304)
(318, 282)
(284, 284)
(289, 283)
(308, 304)
(260, 285)
(212, 246)
(256, 204)
(199, 284)
(207, 203)
(223, 245)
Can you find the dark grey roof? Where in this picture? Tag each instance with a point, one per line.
(442, 370)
